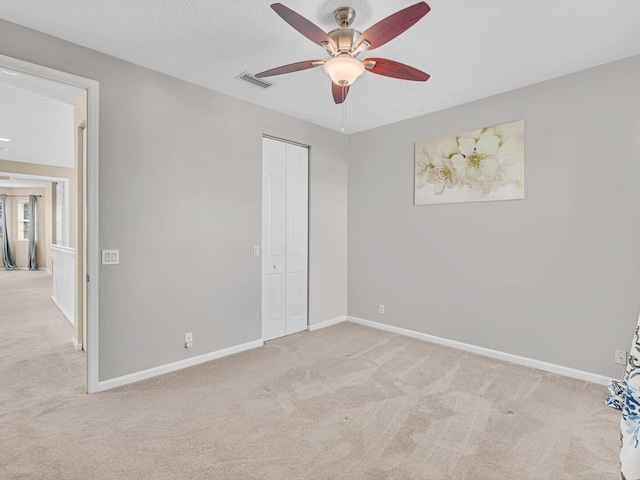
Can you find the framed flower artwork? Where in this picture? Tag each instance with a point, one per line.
(477, 166)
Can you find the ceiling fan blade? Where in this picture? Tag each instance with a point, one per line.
(391, 68)
(301, 24)
(392, 26)
(292, 67)
(339, 92)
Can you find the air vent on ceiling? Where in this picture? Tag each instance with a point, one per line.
(253, 80)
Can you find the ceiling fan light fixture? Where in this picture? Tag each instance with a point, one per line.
(344, 69)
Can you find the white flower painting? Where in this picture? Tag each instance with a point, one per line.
(481, 165)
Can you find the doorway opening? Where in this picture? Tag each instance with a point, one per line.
(72, 185)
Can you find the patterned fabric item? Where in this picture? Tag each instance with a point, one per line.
(618, 393)
(630, 423)
(617, 388)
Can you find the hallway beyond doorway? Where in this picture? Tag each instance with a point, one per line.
(35, 339)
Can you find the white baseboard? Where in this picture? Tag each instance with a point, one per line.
(172, 367)
(63, 311)
(487, 352)
(76, 345)
(326, 323)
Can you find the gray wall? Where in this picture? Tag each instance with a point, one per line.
(554, 277)
(180, 196)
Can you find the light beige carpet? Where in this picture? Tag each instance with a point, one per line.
(345, 402)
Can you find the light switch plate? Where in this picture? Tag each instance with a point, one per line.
(256, 250)
(110, 257)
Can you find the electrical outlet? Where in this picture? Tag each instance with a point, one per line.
(381, 308)
(188, 340)
(620, 357)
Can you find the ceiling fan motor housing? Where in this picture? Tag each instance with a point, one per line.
(345, 38)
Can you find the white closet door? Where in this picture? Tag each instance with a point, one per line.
(273, 238)
(297, 201)
(285, 201)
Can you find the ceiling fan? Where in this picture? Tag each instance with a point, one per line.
(344, 44)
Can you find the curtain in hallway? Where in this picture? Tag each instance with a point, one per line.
(7, 257)
(32, 233)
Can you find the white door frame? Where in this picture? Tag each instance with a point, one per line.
(91, 251)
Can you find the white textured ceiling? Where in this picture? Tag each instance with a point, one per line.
(471, 48)
(37, 117)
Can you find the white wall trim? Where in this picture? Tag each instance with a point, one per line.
(63, 260)
(62, 310)
(91, 198)
(172, 367)
(487, 352)
(76, 345)
(326, 323)
(63, 249)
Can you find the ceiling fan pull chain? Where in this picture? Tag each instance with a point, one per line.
(344, 102)
(343, 111)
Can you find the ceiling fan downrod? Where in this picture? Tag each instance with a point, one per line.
(344, 16)
(345, 38)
